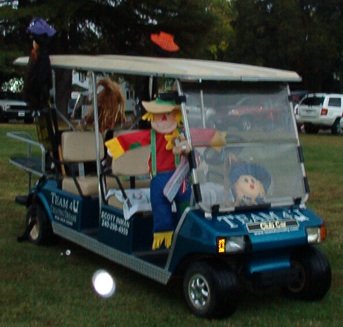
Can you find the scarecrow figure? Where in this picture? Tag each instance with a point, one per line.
(165, 118)
(167, 145)
(249, 183)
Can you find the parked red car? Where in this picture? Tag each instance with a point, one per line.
(250, 112)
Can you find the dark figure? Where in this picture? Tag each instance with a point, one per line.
(37, 85)
(38, 81)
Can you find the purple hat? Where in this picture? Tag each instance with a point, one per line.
(244, 168)
(39, 26)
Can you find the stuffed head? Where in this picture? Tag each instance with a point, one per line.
(249, 183)
(163, 113)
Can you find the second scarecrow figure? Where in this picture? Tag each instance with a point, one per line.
(165, 117)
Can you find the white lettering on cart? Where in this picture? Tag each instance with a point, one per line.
(241, 219)
(64, 209)
(115, 223)
(65, 203)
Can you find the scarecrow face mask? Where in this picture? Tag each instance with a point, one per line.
(164, 123)
(248, 186)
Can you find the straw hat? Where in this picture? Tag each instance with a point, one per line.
(160, 106)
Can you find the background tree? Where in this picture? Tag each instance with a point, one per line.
(219, 39)
(105, 26)
(301, 35)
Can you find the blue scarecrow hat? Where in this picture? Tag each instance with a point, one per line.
(40, 27)
(252, 169)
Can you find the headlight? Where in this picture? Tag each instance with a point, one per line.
(231, 244)
(316, 234)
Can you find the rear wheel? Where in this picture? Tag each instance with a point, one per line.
(336, 127)
(40, 230)
(28, 120)
(311, 129)
(313, 275)
(210, 290)
(3, 118)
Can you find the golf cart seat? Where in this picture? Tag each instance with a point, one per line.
(78, 148)
(131, 171)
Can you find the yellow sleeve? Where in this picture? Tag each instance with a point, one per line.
(114, 147)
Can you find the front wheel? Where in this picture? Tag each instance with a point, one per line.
(210, 290)
(39, 227)
(313, 275)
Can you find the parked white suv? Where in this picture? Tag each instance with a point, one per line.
(320, 111)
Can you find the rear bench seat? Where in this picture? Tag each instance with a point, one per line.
(132, 170)
(78, 147)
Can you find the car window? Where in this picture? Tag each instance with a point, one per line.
(313, 101)
(335, 102)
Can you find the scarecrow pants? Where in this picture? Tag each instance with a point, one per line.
(164, 220)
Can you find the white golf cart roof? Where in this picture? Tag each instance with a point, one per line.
(270, 140)
(184, 69)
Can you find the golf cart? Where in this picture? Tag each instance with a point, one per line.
(227, 239)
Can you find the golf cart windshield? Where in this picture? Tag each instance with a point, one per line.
(255, 158)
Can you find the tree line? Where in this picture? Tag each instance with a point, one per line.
(301, 35)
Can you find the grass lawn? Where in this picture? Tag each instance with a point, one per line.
(42, 286)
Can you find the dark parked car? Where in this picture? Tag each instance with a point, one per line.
(14, 109)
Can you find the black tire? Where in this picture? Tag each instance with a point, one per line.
(311, 129)
(246, 123)
(28, 120)
(3, 119)
(313, 277)
(41, 231)
(336, 128)
(210, 291)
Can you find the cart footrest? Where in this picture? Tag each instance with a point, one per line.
(21, 199)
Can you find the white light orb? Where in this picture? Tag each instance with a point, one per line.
(103, 283)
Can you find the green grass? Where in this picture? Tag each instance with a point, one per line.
(41, 287)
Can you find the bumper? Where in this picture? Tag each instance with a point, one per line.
(321, 121)
(18, 114)
(281, 277)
